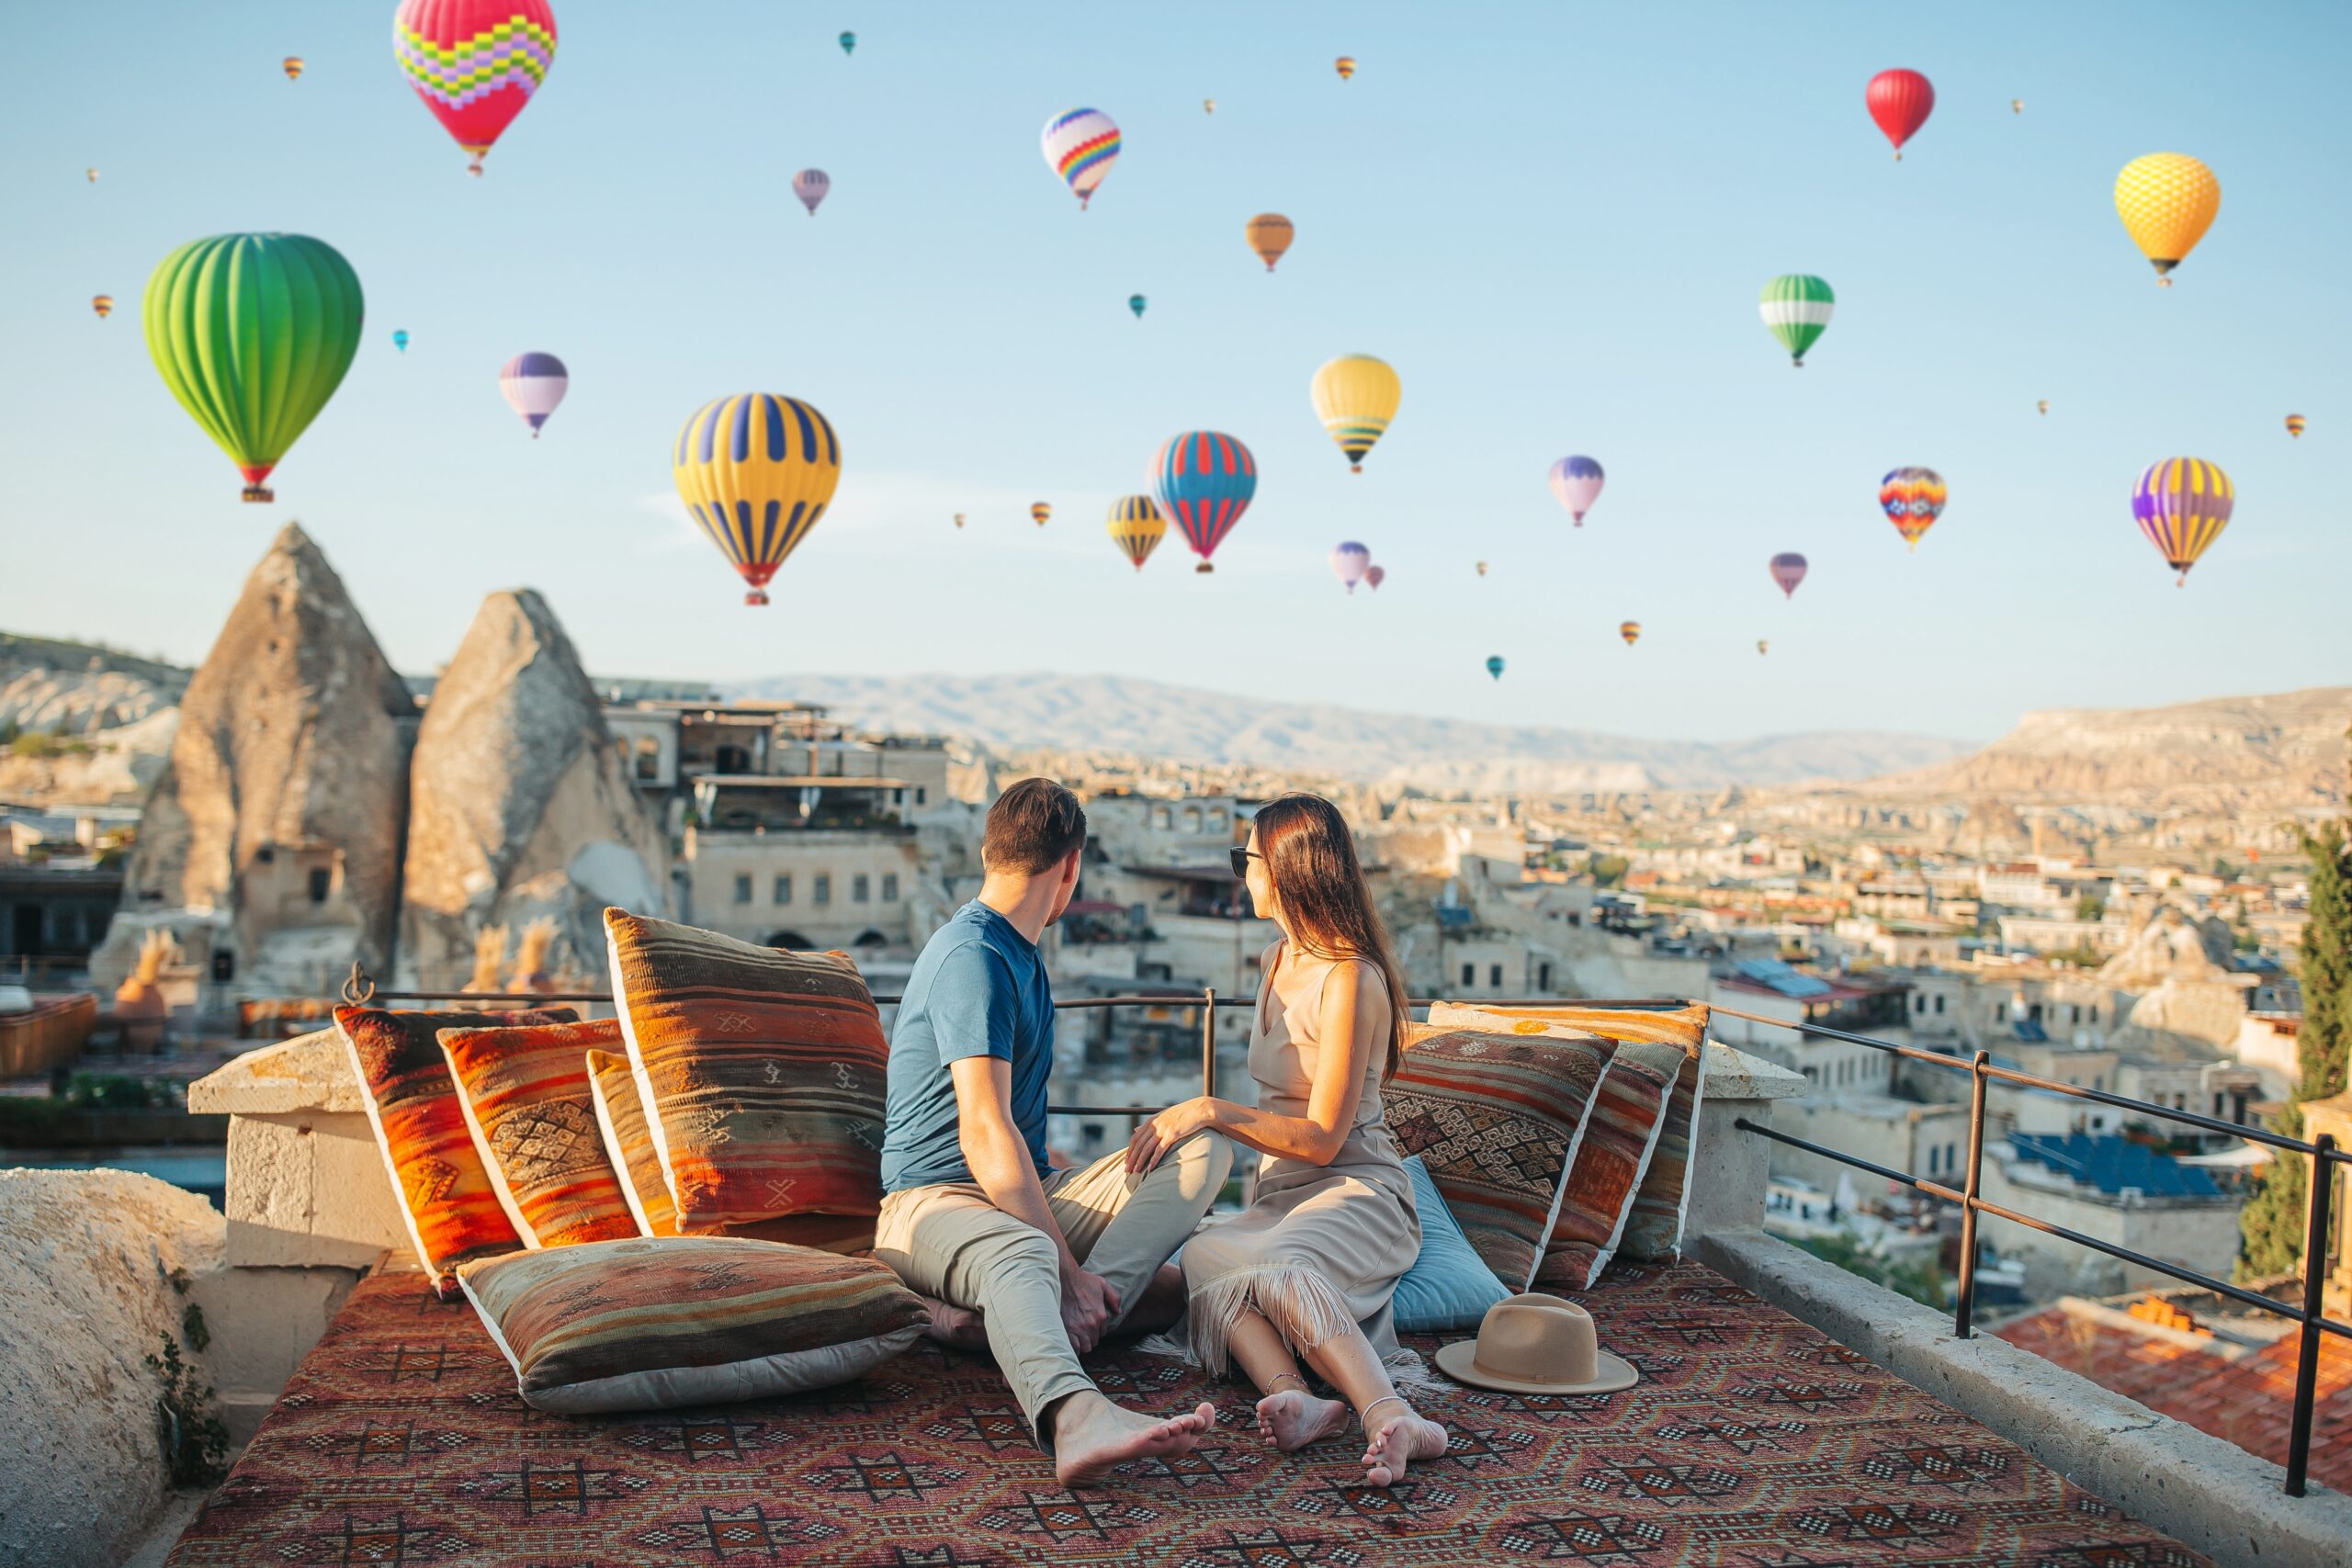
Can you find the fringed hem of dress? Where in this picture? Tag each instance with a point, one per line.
(1300, 1303)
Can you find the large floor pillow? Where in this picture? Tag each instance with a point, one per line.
(1448, 1287)
(1498, 1120)
(524, 1092)
(1654, 1229)
(762, 1071)
(665, 1321)
(450, 1209)
(629, 1143)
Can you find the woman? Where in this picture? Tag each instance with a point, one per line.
(1308, 1267)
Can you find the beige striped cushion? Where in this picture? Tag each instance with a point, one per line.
(629, 1143)
(658, 1322)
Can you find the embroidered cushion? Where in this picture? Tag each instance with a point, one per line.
(1618, 1139)
(525, 1094)
(451, 1209)
(1497, 1120)
(762, 1071)
(629, 1143)
(656, 1322)
(1447, 1287)
(1654, 1229)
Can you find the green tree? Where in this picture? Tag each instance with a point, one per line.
(1609, 870)
(2271, 1227)
(2090, 906)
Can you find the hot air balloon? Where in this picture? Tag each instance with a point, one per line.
(102, 304)
(848, 43)
(2041, 405)
(1576, 482)
(2182, 505)
(93, 174)
(1762, 646)
(810, 186)
(2166, 201)
(1900, 101)
(1788, 570)
(1796, 306)
(1631, 631)
(1355, 397)
(1913, 499)
(1080, 146)
(1495, 665)
(475, 63)
(1039, 512)
(1345, 65)
(293, 68)
(2296, 424)
(1136, 302)
(534, 384)
(1203, 480)
(1373, 576)
(1136, 527)
(2017, 105)
(399, 339)
(959, 520)
(1208, 105)
(253, 333)
(1269, 234)
(1350, 561)
(1482, 568)
(757, 471)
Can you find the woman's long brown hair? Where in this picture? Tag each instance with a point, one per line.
(1311, 860)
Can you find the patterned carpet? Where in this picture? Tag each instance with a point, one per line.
(1751, 1440)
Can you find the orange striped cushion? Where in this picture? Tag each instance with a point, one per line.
(446, 1201)
(525, 1094)
(763, 1069)
(629, 1143)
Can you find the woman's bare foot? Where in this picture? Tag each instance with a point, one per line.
(1290, 1419)
(957, 1328)
(1093, 1436)
(1398, 1442)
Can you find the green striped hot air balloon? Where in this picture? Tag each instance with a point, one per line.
(253, 333)
(1796, 307)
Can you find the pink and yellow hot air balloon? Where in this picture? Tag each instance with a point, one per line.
(2182, 505)
(475, 63)
(1788, 570)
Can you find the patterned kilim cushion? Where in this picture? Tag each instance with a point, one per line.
(446, 1201)
(1618, 1139)
(525, 1093)
(1497, 1122)
(762, 1070)
(1654, 1230)
(629, 1143)
(665, 1321)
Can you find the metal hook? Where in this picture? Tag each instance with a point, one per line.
(359, 990)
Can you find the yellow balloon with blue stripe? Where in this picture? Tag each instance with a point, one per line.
(757, 471)
(1355, 397)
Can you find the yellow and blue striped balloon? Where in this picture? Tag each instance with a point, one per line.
(2182, 505)
(757, 472)
(1355, 397)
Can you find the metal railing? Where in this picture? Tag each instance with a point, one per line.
(2308, 1318)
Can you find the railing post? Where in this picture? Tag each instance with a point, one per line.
(1964, 1303)
(2299, 1429)
(1208, 1042)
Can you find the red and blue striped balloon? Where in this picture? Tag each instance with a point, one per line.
(1203, 480)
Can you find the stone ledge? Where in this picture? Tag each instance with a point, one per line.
(2204, 1491)
(310, 1072)
(1735, 1074)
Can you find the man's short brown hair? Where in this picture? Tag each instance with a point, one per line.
(1031, 825)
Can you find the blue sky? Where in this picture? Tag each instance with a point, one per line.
(1553, 219)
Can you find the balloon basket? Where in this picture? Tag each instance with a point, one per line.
(755, 597)
(1204, 567)
(259, 492)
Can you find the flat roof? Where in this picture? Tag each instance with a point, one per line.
(800, 780)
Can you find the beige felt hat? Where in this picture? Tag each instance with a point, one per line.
(1536, 1344)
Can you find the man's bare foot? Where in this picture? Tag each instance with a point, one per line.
(957, 1328)
(1093, 1436)
(1290, 1419)
(1398, 1442)
(1161, 1304)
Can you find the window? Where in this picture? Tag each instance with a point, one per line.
(860, 889)
(322, 880)
(2034, 1012)
(1918, 1004)
(2075, 1013)
(1932, 1153)
(1951, 1157)
(2217, 1103)
(2000, 1011)
(2099, 1082)
(919, 793)
(1470, 978)
(1543, 977)
(1940, 1007)
(889, 887)
(743, 887)
(1495, 976)
(648, 757)
(782, 891)
(820, 890)
(2094, 1012)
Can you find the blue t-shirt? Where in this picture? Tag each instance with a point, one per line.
(979, 989)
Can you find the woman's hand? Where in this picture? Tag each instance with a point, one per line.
(1167, 1130)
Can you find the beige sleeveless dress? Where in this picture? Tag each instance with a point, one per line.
(1325, 1243)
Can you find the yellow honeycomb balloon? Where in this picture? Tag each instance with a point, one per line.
(2166, 201)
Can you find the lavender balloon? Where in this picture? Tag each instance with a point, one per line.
(810, 186)
(1578, 481)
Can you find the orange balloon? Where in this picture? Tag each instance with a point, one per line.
(1269, 234)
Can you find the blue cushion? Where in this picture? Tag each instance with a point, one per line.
(1448, 1286)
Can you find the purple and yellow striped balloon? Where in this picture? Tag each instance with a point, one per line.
(2182, 505)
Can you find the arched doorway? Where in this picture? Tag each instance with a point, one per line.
(792, 940)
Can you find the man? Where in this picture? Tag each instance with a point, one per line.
(1049, 1260)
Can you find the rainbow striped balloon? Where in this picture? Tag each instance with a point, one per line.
(2182, 505)
(1203, 480)
(1080, 146)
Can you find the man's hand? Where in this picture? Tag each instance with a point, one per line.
(1089, 1303)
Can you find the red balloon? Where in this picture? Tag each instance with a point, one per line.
(1900, 101)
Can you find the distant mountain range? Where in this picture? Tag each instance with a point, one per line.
(1150, 719)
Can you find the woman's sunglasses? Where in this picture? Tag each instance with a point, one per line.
(1241, 858)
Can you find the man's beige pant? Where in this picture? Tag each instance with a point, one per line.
(949, 1241)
